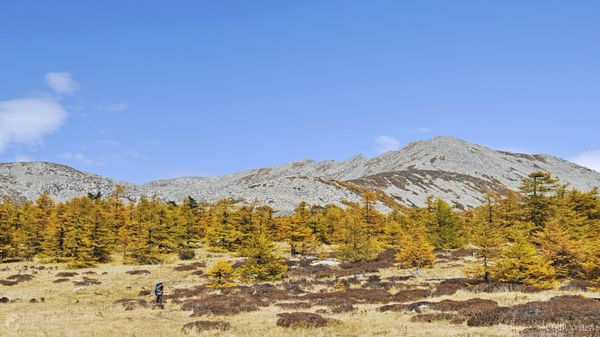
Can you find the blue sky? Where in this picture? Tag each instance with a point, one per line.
(176, 88)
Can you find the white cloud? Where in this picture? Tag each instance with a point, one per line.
(590, 159)
(77, 157)
(419, 130)
(107, 142)
(123, 156)
(386, 143)
(61, 82)
(27, 120)
(118, 107)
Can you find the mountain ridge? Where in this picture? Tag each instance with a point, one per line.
(446, 167)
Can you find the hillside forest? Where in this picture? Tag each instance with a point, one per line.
(540, 234)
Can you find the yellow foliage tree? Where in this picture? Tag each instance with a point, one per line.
(415, 251)
(520, 263)
(357, 245)
(221, 275)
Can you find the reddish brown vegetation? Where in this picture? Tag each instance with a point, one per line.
(575, 285)
(131, 303)
(180, 293)
(462, 309)
(355, 295)
(8, 283)
(564, 330)
(438, 316)
(200, 326)
(558, 309)
(190, 266)
(224, 305)
(451, 286)
(16, 279)
(295, 305)
(303, 320)
(138, 272)
(66, 274)
(20, 277)
(411, 295)
(61, 280)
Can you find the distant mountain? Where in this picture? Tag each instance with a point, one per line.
(445, 167)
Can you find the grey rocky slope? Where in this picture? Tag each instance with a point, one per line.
(446, 167)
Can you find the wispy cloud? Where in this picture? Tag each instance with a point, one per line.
(61, 82)
(103, 159)
(27, 120)
(385, 143)
(79, 158)
(107, 142)
(420, 130)
(123, 156)
(118, 107)
(589, 159)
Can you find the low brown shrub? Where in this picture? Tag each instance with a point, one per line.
(293, 287)
(564, 330)
(145, 292)
(395, 279)
(200, 326)
(335, 301)
(303, 320)
(355, 295)
(411, 295)
(186, 292)
(451, 286)
(560, 309)
(495, 287)
(8, 283)
(132, 303)
(189, 266)
(138, 272)
(224, 305)
(343, 308)
(295, 305)
(265, 291)
(86, 282)
(4, 300)
(467, 308)
(66, 274)
(576, 285)
(61, 280)
(20, 277)
(313, 272)
(437, 316)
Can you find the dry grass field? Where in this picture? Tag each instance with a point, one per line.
(368, 299)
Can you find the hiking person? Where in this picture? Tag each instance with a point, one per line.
(159, 289)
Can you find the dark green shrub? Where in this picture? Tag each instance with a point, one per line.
(187, 254)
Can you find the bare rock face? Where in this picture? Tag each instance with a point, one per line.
(445, 167)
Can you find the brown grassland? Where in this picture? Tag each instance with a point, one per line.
(369, 299)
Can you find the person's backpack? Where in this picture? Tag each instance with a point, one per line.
(158, 289)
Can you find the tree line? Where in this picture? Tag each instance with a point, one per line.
(536, 235)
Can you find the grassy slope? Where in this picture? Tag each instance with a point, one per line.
(70, 310)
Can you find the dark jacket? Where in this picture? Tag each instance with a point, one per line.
(158, 289)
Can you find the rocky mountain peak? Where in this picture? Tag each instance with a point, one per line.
(444, 166)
